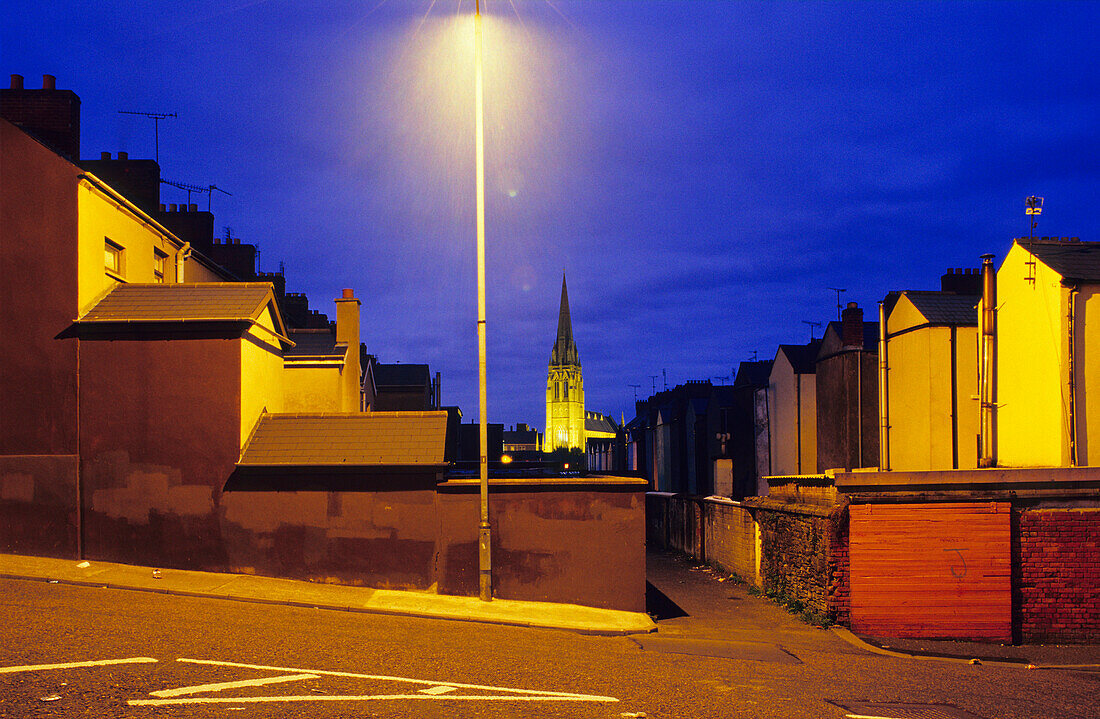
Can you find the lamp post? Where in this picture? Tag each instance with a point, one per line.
(485, 575)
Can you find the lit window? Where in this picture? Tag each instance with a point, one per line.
(160, 259)
(112, 257)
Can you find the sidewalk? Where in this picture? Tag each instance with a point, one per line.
(268, 590)
(713, 608)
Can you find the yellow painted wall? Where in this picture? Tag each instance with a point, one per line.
(313, 389)
(100, 217)
(262, 387)
(919, 381)
(1031, 396)
(1087, 372)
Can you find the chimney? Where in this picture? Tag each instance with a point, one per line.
(49, 114)
(172, 207)
(123, 155)
(347, 332)
(193, 207)
(961, 281)
(851, 326)
(105, 156)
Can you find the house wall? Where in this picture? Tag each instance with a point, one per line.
(1031, 418)
(38, 301)
(920, 393)
(159, 436)
(102, 217)
(1087, 373)
(312, 389)
(261, 375)
(847, 411)
(792, 409)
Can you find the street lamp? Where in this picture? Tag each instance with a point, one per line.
(485, 574)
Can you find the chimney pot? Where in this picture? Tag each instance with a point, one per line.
(852, 305)
(193, 207)
(105, 156)
(49, 82)
(16, 82)
(123, 155)
(172, 207)
(162, 208)
(349, 294)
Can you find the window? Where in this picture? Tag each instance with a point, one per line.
(160, 259)
(566, 389)
(112, 256)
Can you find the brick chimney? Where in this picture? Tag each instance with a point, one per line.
(961, 281)
(347, 332)
(851, 326)
(49, 114)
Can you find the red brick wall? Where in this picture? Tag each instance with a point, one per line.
(838, 597)
(1059, 575)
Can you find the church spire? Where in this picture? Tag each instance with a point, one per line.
(565, 349)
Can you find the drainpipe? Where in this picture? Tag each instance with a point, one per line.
(1071, 361)
(883, 393)
(988, 351)
(182, 254)
(798, 417)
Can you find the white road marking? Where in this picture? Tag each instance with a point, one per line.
(429, 683)
(229, 685)
(866, 716)
(75, 665)
(437, 690)
(376, 697)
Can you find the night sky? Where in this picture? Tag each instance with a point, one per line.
(703, 171)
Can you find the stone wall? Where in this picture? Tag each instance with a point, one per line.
(1058, 592)
(731, 539)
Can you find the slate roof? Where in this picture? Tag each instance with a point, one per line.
(208, 301)
(358, 439)
(1072, 260)
(753, 374)
(945, 308)
(401, 375)
(315, 343)
(802, 357)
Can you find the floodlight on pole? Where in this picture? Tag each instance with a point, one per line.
(1034, 208)
(485, 572)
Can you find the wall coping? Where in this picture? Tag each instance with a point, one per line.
(544, 484)
(960, 485)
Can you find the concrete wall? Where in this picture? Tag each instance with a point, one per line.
(38, 505)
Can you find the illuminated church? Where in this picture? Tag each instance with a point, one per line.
(564, 387)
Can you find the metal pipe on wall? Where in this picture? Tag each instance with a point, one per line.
(883, 393)
(988, 318)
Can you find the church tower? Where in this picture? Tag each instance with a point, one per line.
(564, 387)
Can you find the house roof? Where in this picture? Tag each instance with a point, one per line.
(1072, 260)
(753, 374)
(186, 302)
(401, 375)
(945, 308)
(315, 343)
(357, 439)
(802, 357)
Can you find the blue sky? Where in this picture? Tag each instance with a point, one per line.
(705, 170)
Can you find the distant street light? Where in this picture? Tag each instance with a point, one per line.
(485, 572)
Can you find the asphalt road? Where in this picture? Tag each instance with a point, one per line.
(194, 657)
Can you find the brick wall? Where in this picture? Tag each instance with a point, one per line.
(794, 559)
(1058, 594)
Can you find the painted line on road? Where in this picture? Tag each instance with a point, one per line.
(437, 690)
(76, 665)
(164, 693)
(376, 697)
(407, 680)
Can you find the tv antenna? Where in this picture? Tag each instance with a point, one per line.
(1034, 208)
(157, 117)
(723, 379)
(635, 386)
(208, 189)
(664, 373)
(654, 378)
(812, 325)
(837, 290)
